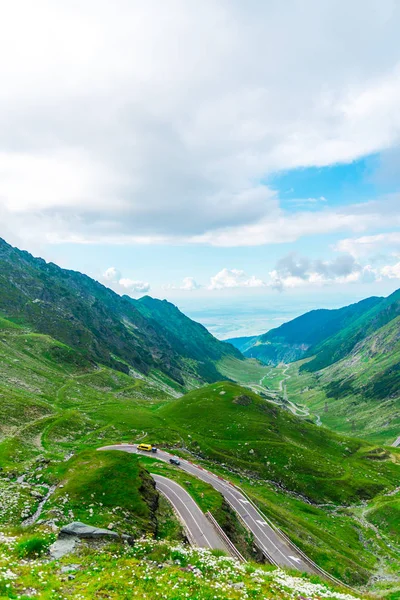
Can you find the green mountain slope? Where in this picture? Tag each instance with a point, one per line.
(192, 339)
(104, 327)
(309, 481)
(238, 427)
(362, 325)
(359, 394)
(292, 340)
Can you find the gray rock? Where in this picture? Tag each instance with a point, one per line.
(69, 568)
(81, 530)
(62, 546)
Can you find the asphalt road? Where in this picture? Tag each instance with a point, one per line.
(396, 442)
(273, 545)
(200, 531)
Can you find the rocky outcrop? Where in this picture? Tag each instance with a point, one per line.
(81, 530)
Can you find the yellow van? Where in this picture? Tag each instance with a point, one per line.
(146, 447)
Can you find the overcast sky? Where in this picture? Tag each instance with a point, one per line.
(208, 152)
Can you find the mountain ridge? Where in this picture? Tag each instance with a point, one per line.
(94, 320)
(299, 337)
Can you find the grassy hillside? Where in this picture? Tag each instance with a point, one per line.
(150, 569)
(232, 425)
(338, 346)
(191, 338)
(358, 395)
(290, 341)
(100, 488)
(54, 403)
(102, 326)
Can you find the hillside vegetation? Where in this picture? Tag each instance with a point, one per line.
(150, 569)
(296, 338)
(104, 327)
(65, 392)
(349, 373)
(53, 403)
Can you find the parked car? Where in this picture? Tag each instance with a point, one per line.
(175, 461)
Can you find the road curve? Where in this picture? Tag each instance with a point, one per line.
(200, 531)
(273, 545)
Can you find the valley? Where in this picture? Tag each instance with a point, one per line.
(281, 435)
(52, 408)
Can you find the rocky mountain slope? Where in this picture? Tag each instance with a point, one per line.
(104, 327)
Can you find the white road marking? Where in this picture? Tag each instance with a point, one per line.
(189, 511)
(295, 558)
(221, 483)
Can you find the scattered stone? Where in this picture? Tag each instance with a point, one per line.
(242, 400)
(110, 525)
(69, 568)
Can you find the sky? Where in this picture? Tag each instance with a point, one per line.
(241, 159)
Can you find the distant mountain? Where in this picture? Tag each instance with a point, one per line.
(243, 343)
(354, 331)
(104, 327)
(297, 338)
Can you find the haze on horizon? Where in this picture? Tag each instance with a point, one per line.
(240, 159)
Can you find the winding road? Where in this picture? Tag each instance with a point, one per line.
(273, 544)
(198, 528)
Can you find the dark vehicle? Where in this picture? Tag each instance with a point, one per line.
(154, 449)
(174, 461)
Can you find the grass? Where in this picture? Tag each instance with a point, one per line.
(149, 570)
(325, 490)
(33, 546)
(231, 425)
(100, 488)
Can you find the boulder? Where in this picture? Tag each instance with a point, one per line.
(62, 546)
(81, 530)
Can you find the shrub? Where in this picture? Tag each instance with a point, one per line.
(33, 547)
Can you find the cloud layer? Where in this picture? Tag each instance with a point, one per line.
(112, 278)
(160, 121)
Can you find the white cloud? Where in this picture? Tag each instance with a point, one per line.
(369, 244)
(189, 284)
(391, 271)
(112, 274)
(234, 278)
(135, 287)
(122, 285)
(126, 121)
(294, 271)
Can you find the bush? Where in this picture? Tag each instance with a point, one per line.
(33, 547)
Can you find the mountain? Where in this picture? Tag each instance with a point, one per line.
(192, 339)
(363, 324)
(55, 402)
(298, 338)
(308, 480)
(105, 328)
